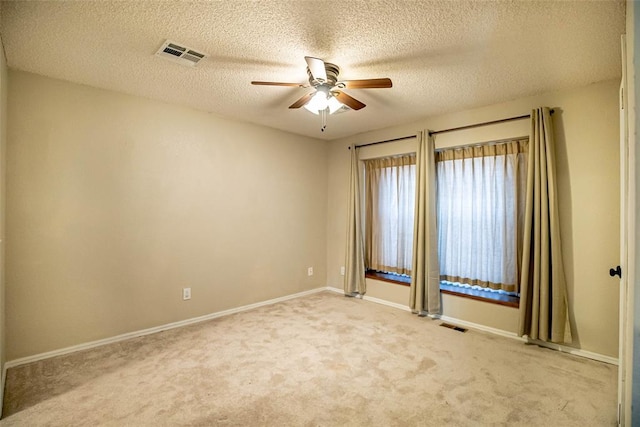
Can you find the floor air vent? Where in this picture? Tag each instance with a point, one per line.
(180, 54)
(454, 327)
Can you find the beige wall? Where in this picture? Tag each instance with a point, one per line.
(586, 128)
(115, 203)
(3, 150)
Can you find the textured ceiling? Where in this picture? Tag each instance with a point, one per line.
(441, 55)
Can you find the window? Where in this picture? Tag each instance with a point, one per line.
(389, 212)
(480, 209)
(480, 212)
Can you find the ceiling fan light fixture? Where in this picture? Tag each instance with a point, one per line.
(333, 104)
(317, 103)
(321, 101)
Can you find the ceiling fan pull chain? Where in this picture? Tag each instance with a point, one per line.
(323, 115)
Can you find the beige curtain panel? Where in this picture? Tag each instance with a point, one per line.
(425, 278)
(543, 292)
(354, 280)
(389, 209)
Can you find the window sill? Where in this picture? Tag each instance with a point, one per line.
(386, 277)
(478, 295)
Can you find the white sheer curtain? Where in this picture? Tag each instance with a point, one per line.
(390, 193)
(480, 213)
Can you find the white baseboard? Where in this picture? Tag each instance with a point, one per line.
(373, 299)
(387, 303)
(336, 290)
(562, 348)
(479, 327)
(129, 335)
(122, 337)
(575, 351)
(559, 347)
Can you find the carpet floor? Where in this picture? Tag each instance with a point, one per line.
(320, 360)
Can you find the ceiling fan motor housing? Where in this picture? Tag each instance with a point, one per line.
(332, 75)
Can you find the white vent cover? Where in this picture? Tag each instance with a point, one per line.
(180, 54)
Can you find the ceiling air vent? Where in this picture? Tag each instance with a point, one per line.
(180, 54)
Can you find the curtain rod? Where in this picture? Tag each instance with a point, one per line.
(481, 144)
(475, 125)
(385, 141)
(435, 132)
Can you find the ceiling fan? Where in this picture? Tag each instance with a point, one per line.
(328, 96)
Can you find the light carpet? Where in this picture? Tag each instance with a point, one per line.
(320, 360)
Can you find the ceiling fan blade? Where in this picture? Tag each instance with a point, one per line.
(277, 84)
(349, 101)
(367, 84)
(300, 102)
(317, 68)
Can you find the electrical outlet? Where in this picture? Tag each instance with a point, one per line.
(310, 271)
(342, 270)
(186, 293)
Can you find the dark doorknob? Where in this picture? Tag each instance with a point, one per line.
(615, 272)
